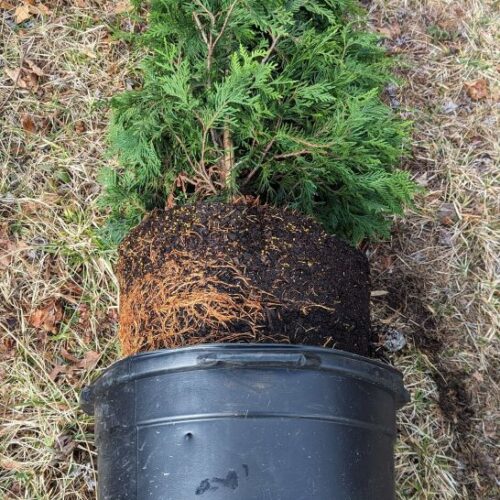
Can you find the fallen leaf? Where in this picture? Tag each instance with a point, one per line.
(34, 68)
(80, 127)
(23, 78)
(27, 123)
(386, 262)
(22, 14)
(68, 356)
(14, 74)
(56, 371)
(89, 360)
(122, 7)
(9, 248)
(447, 221)
(6, 5)
(479, 89)
(47, 317)
(379, 293)
(40, 8)
(392, 31)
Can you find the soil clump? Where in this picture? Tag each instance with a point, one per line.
(215, 272)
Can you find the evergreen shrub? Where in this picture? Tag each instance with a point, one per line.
(279, 99)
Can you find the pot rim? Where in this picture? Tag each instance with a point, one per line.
(246, 356)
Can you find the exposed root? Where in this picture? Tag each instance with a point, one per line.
(165, 309)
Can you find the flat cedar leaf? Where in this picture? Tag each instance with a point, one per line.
(47, 317)
(478, 89)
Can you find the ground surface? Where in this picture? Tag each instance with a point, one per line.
(434, 282)
(222, 272)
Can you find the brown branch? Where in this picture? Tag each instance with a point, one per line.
(263, 155)
(207, 12)
(228, 159)
(256, 168)
(209, 40)
(228, 15)
(310, 144)
(200, 27)
(294, 154)
(271, 48)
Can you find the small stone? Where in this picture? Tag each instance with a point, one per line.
(393, 340)
(449, 107)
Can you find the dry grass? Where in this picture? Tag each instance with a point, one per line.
(441, 268)
(47, 245)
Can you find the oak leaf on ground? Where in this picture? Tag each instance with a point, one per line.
(48, 316)
(27, 123)
(478, 89)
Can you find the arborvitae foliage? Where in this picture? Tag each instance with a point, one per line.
(278, 99)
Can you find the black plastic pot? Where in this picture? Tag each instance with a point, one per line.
(246, 422)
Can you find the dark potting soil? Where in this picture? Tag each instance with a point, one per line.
(237, 273)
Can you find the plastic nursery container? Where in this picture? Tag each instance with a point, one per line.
(246, 422)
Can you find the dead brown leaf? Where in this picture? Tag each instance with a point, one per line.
(122, 7)
(14, 74)
(6, 5)
(68, 356)
(478, 89)
(47, 317)
(22, 13)
(40, 8)
(9, 248)
(392, 31)
(23, 77)
(34, 68)
(27, 123)
(89, 360)
(56, 371)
